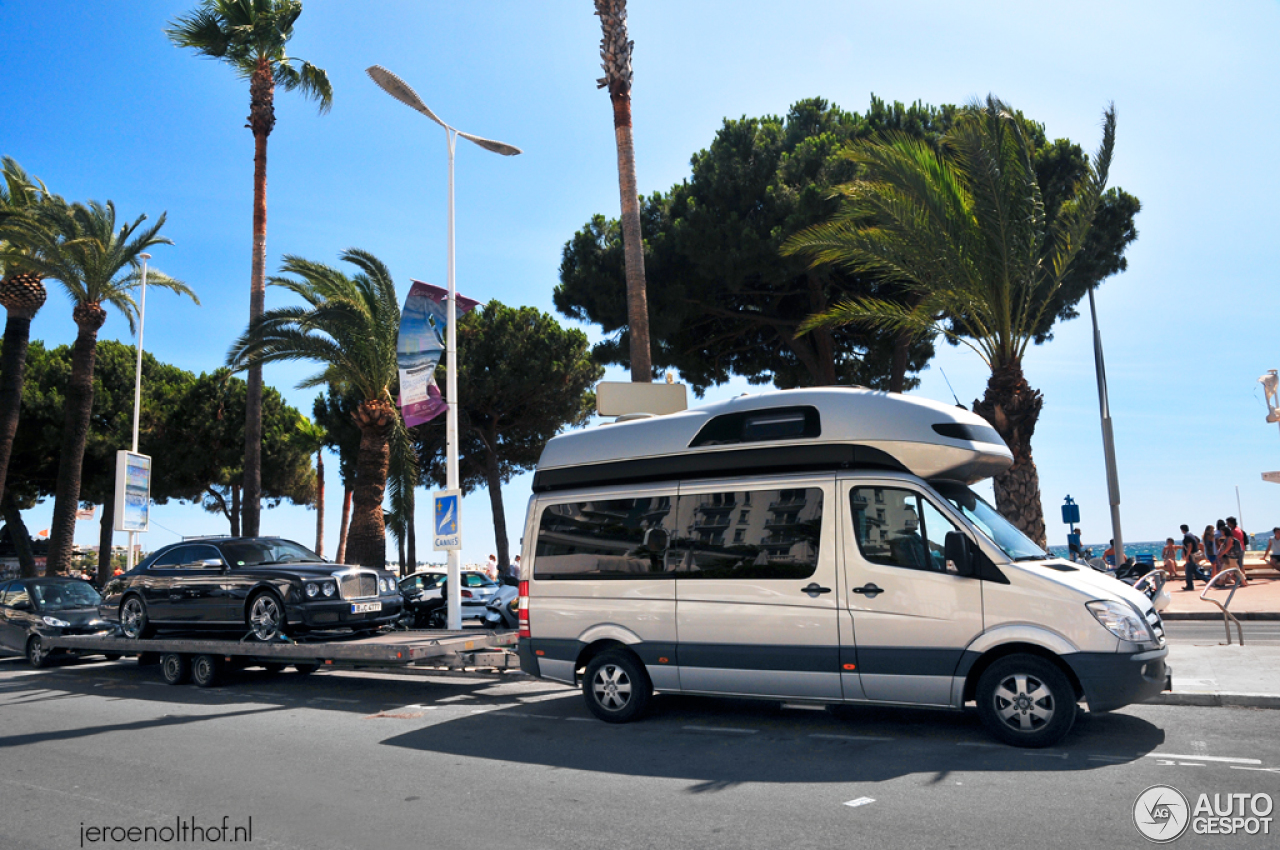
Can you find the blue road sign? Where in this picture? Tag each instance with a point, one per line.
(448, 524)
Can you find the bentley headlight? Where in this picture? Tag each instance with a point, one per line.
(329, 588)
(383, 585)
(1121, 620)
(312, 590)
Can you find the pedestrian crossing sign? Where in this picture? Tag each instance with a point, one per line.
(447, 525)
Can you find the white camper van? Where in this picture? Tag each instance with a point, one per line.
(816, 545)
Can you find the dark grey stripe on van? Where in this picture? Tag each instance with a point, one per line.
(894, 661)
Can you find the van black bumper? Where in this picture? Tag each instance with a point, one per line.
(1113, 681)
(528, 661)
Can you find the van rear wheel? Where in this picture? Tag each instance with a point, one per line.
(1026, 701)
(616, 687)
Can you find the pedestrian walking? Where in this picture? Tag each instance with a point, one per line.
(1190, 548)
(1210, 546)
(1229, 552)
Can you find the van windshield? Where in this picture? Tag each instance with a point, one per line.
(1003, 533)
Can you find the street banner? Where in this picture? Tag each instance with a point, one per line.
(421, 344)
(447, 528)
(133, 491)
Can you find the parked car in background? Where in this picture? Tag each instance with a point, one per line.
(35, 609)
(267, 586)
(424, 597)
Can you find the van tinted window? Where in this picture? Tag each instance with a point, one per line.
(608, 538)
(899, 528)
(760, 534)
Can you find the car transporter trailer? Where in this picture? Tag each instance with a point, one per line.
(202, 660)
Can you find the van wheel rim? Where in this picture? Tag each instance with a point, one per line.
(265, 617)
(1024, 703)
(612, 687)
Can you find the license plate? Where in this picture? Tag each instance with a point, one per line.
(365, 607)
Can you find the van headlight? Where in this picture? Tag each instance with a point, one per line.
(1121, 620)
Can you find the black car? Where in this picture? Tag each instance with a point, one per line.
(267, 586)
(32, 609)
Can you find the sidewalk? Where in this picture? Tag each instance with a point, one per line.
(1215, 674)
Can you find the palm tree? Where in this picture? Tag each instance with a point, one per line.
(250, 36)
(963, 230)
(615, 53)
(350, 326)
(80, 246)
(21, 293)
(313, 435)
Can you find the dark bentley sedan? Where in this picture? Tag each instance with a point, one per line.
(266, 586)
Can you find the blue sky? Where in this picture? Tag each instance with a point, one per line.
(99, 105)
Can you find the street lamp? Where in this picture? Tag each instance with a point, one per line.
(137, 378)
(1108, 440)
(402, 92)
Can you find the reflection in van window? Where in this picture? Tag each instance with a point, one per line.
(776, 535)
(606, 538)
(907, 532)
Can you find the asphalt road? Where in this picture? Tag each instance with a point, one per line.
(367, 761)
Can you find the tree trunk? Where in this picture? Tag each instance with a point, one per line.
(400, 543)
(1013, 409)
(412, 536)
(493, 483)
(261, 120)
(320, 502)
(367, 539)
(344, 524)
(19, 536)
(13, 363)
(632, 240)
(236, 511)
(898, 366)
(106, 536)
(75, 433)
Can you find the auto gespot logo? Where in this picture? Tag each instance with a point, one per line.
(1163, 814)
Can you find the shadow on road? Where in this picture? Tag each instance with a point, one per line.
(719, 743)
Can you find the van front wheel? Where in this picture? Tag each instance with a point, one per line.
(1026, 701)
(616, 687)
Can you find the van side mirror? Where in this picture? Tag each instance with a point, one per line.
(958, 552)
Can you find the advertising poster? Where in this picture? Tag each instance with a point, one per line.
(133, 491)
(419, 348)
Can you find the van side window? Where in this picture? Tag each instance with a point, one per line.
(778, 539)
(907, 532)
(603, 539)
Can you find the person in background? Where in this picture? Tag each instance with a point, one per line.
(1229, 551)
(511, 575)
(1239, 535)
(491, 568)
(1190, 548)
(1210, 545)
(1074, 551)
(1110, 555)
(1170, 556)
(1272, 554)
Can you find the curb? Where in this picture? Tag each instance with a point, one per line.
(1215, 700)
(1217, 615)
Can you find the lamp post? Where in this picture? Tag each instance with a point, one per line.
(137, 379)
(1108, 441)
(402, 92)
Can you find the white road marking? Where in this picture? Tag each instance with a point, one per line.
(849, 737)
(1116, 759)
(1224, 759)
(1190, 764)
(1264, 769)
(724, 730)
(861, 801)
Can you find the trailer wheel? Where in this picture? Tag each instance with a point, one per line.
(175, 668)
(112, 656)
(616, 687)
(1026, 701)
(273, 667)
(134, 622)
(205, 670)
(37, 653)
(306, 669)
(265, 617)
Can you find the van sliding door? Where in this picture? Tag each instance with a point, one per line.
(756, 589)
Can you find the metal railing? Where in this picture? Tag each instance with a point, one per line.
(1227, 617)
